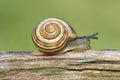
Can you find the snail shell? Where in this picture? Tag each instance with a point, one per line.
(53, 36)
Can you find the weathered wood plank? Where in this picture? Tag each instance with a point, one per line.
(87, 65)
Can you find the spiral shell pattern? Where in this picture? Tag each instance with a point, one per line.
(52, 34)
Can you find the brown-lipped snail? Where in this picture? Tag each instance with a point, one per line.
(55, 36)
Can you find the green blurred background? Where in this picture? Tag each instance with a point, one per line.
(19, 17)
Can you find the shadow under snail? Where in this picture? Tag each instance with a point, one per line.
(55, 36)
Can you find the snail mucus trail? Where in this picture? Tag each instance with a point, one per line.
(55, 36)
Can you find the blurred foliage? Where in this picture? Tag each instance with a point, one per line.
(19, 17)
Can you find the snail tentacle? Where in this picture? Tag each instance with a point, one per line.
(93, 36)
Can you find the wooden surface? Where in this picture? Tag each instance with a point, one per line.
(87, 65)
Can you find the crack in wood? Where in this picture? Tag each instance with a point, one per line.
(93, 70)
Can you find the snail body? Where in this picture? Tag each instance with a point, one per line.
(55, 36)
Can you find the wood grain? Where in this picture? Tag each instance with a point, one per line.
(87, 65)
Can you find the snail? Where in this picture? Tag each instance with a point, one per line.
(55, 36)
